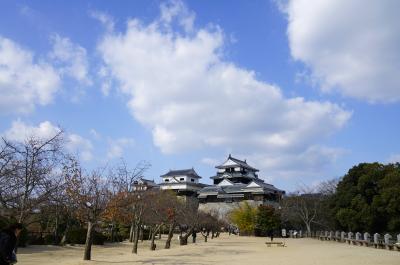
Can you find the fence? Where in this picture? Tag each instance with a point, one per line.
(387, 241)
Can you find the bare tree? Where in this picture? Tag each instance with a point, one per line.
(209, 223)
(172, 214)
(303, 205)
(27, 169)
(89, 194)
(7, 173)
(187, 220)
(161, 209)
(125, 180)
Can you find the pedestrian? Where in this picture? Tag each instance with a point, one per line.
(8, 242)
(271, 235)
(194, 234)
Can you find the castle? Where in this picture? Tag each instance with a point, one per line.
(235, 182)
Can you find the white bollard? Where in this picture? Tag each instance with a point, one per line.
(366, 236)
(342, 235)
(350, 235)
(387, 238)
(376, 238)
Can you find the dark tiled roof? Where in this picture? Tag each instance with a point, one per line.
(233, 175)
(183, 172)
(241, 188)
(239, 162)
(183, 182)
(147, 181)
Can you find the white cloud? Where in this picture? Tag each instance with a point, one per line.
(190, 97)
(95, 134)
(104, 18)
(394, 158)
(106, 80)
(210, 161)
(24, 81)
(117, 147)
(20, 132)
(83, 147)
(350, 46)
(176, 9)
(72, 59)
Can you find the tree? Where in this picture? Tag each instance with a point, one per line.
(27, 170)
(188, 218)
(125, 179)
(303, 207)
(244, 218)
(368, 198)
(161, 208)
(89, 194)
(7, 171)
(267, 220)
(208, 223)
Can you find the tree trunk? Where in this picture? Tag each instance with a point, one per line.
(194, 237)
(184, 239)
(136, 238)
(131, 232)
(56, 231)
(154, 232)
(64, 237)
(205, 235)
(112, 232)
(141, 232)
(309, 228)
(88, 243)
(170, 235)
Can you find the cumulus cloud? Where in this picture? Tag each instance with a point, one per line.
(349, 46)
(83, 147)
(71, 58)
(117, 147)
(21, 131)
(24, 81)
(182, 88)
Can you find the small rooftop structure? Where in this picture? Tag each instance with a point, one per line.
(183, 172)
(144, 184)
(184, 182)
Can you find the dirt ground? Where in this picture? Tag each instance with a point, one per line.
(223, 250)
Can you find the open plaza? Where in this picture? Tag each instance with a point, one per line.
(223, 250)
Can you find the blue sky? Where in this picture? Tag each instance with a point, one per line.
(303, 90)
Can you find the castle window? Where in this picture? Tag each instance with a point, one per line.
(192, 180)
(166, 180)
(182, 179)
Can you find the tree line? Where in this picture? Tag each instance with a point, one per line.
(367, 199)
(47, 189)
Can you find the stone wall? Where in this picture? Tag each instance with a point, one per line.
(222, 209)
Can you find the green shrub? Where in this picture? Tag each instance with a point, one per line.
(244, 218)
(78, 236)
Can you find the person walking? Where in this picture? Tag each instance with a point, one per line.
(8, 242)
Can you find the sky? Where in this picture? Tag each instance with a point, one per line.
(303, 90)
